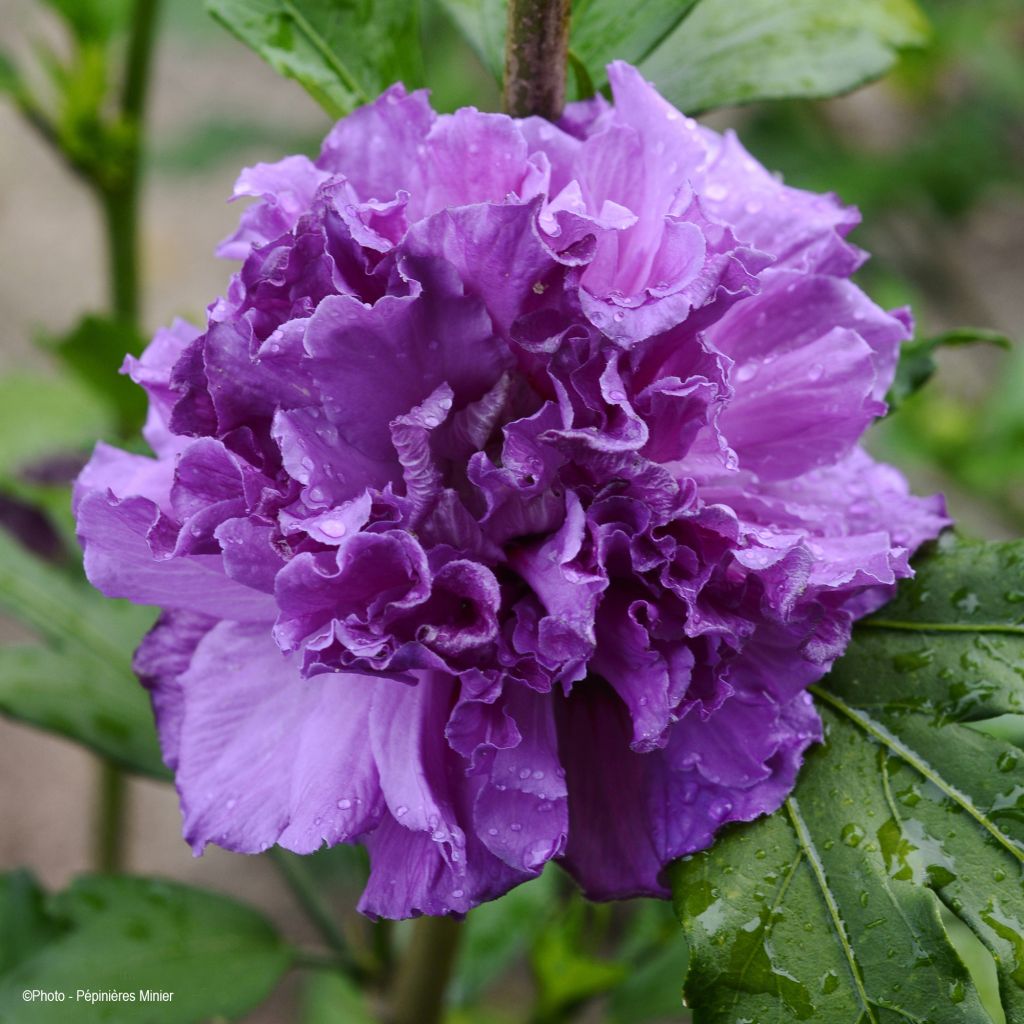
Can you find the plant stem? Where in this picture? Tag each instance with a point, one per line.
(135, 91)
(118, 195)
(110, 807)
(120, 214)
(536, 57)
(303, 886)
(424, 971)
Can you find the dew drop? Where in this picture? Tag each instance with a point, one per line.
(399, 811)
(345, 804)
(716, 192)
(748, 371)
(516, 826)
(334, 528)
(852, 835)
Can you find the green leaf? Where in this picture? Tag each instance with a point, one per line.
(92, 20)
(133, 935)
(831, 909)
(93, 351)
(331, 998)
(41, 416)
(343, 52)
(567, 969)
(656, 956)
(737, 51)
(917, 359)
(601, 31)
(105, 711)
(25, 927)
(483, 23)
(81, 684)
(10, 79)
(607, 30)
(496, 934)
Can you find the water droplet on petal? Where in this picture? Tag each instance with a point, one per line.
(334, 527)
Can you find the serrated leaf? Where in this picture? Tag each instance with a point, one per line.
(80, 685)
(830, 909)
(217, 956)
(729, 52)
(343, 52)
(63, 415)
(917, 359)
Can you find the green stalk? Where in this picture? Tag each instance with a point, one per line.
(108, 853)
(120, 190)
(118, 194)
(536, 57)
(425, 970)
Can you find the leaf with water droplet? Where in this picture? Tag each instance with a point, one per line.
(912, 811)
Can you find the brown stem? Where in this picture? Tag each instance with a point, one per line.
(536, 57)
(424, 970)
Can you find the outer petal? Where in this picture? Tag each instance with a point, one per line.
(120, 561)
(802, 230)
(266, 756)
(285, 191)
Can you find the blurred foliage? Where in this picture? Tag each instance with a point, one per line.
(951, 147)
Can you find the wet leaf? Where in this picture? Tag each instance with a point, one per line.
(831, 909)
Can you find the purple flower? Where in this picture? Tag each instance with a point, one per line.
(509, 502)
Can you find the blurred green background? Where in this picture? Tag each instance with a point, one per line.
(933, 156)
